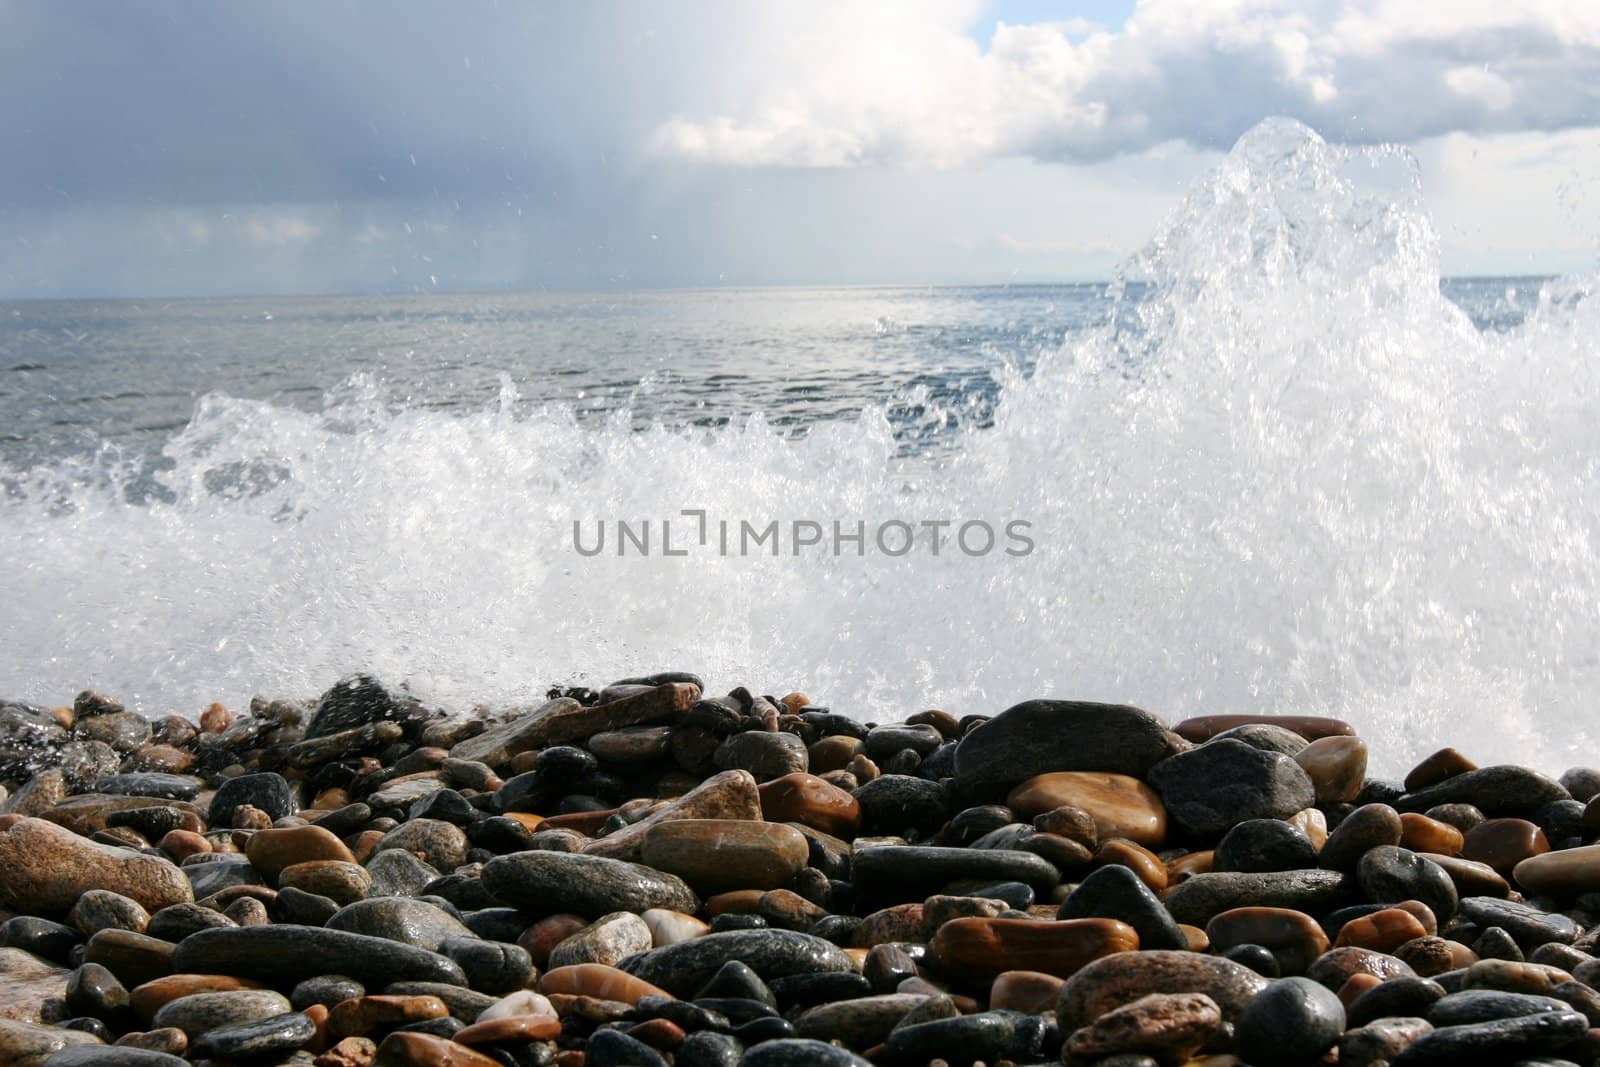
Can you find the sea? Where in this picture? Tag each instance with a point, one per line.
(1277, 465)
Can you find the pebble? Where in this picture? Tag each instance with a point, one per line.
(1115, 892)
(1199, 898)
(1113, 981)
(987, 947)
(608, 940)
(410, 922)
(728, 795)
(807, 799)
(1310, 727)
(1504, 843)
(859, 1023)
(1046, 736)
(1501, 1041)
(281, 953)
(1377, 1043)
(1389, 873)
(48, 867)
(1567, 873)
(1293, 1021)
(715, 855)
(1120, 805)
(1496, 791)
(1336, 766)
(765, 755)
(546, 882)
(199, 1013)
(685, 966)
(1169, 1026)
(1294, 938)
(1258, 845)
(1208, 789)
(899, 873)
(270, 851)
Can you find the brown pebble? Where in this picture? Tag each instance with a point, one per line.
(990, 946)
(597, 980)
(1171, 1026)
(1138, 859)
(1033, 992)
(832, 753)
(351, 1052)
(270, 851)
(151, 996)
(168, 1039)
(544, 935)
(1445, 763)
(362, 1015)
(1504, 843)
(808, 799)
(1070, 822)
(1422, 834)
(1429, 956)
(660, 1034)
(1310, 727)
(1181, 867)
(402, 1049)
(181, 844)
(511, 1028)
(1294, 938)
(1356, 985)
(1382, 931)
(1336, 766)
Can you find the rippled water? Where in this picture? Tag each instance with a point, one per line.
(1288, 471)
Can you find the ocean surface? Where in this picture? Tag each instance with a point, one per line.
(1282, 467)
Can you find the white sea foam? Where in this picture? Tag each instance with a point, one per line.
(1296, 479)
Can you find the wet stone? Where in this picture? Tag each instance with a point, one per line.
(684, 967)
(1336, 966)
(1293, 938)
(1496, 791)
(901, 804)
(1377, 1043)
(411, 922)
(1199, 898)
(101, 909)
(199, 1013)
(1528, 925)
(148, 784)
(1257, 845)
(1388, 874)
(984, 1037)
(1501, 1041)
(1116, 980)
(288, 953)
(1504, 843)
(274, 1035)
(47, 868)
(1042, 736)
(988, 947)
(547, 882)
(1396, 997)
(1485, 1005)
(1209, 789)
(858, 1023)
(1293, 1021)
(1117, 893)
(800, 1052)
(901, 873)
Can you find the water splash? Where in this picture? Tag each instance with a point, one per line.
(1288, 477)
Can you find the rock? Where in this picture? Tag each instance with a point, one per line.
(270, 851)
(1485, 1005)
(1121, 806)
(684, 967)
(986, 947)
(860, 1023)
(1336, 966)
(120, 1055)
(598, 981)
(1401, 997)
(402, 1049)
(439, 844)
(92, 990)
(1563, 874)
(101, 909)
(1497, 791)
(47, 868)
(25, 1044)
(123, 731)
(398, 874)
(1422, 834)
(283, 953)
(766, 756)
(28, 983)
(1336, 766)
(1368, 827)
(800, 1052)
(1115, 892)
(1445, 763)
(1504, 843)
(608, 940)
(1043, 736)
(1375, 1044)
(1502, 1041)
(966, 1039)
(152, 996)
(268, 792)
(1293, 1021)
(148, 784)
(373, 737)
(807, 799)
(728, 795)
(1200, 897)
(1294, 938)
(1031, 992)
(1471, 879)
(1209, 789)
(543, 883)
(200, 1013)
(893, 874)
(410, 922)
(716, 855)
(1258, 845)
(668, 927)
(340, 882)
(272, 1036)
(901, 804)
(1382, 931)
(1530, 926)
(1267, 737)
(1109, 983)
(613, 1048)
(1310, 727)
(490, 966)
(564, 720)
(1389, 874)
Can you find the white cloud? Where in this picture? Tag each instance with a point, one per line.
(898, 82)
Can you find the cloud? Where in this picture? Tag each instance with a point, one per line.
(903, 85)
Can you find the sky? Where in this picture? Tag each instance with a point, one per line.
(157, 148)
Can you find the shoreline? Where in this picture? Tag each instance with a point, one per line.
(646, 874)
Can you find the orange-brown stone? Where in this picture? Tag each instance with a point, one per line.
(149, 998)
(1336, 766)
(1565, 873)
(716, 855)
(805, 798)
(1033, 992)
(1422, 834)
(1294, 938)
(362, 1015)
(1445, 763)
(270, 851)
(599, 981)
(1310, 727)
(1138, 859)
(402, 1049)
(1382, 931)
(988, 947)
(1122, 806)
(511, 1028)
(1504, 843)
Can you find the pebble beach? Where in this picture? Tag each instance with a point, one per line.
(650, 874)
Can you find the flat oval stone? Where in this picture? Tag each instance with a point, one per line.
(1259, 845)
(150, 997)
(1471, 879)
(599, 981)
(1445, 763)
(200, 1013)
(270, 851)
(800, 1052)
(1504, 843)
(1501, 1041)
(608, 940)
(1030, 992)
(1497, 791)
(716, 855)
(1336, 766)
(1169, 1026)
(149, 784)
(1566, 873)
(1201, 897)
(1422, 834)
(1121, 805)
(1311, 727)
(25, 1044)
(47, 868)
(1389, 874)
(983, 948)
(1485, 1005)
(859, 1023)
(1530, 926)
(894, 874)
(272, 1036)
(515, 1028)
(1382, 931)
(684, 967)
(281, 953)
(1368, 827)
(543, 883)
(1109, 983)
(1210, 788)
(411, 922)
(343, 883)
(1396, 997)
(97, 1055)
(1294, 938)
(1293, 1021)
(983, 1037)
(1043, 736)
(403, 1049)
(807, 799)
(1336, 966)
